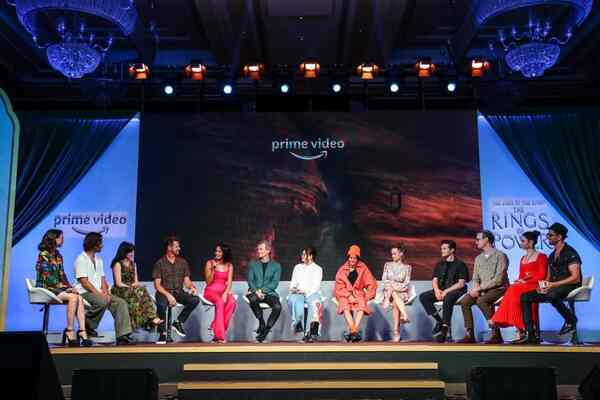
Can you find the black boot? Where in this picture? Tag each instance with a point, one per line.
(313, 333)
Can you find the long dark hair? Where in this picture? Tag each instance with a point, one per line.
(48, 242)
(532, 236)
(227, 256)
(124, 249)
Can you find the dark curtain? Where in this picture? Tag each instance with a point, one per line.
(55, 152)
(560, 153)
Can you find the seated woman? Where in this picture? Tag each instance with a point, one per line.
(396, 286)
(354, 287)
(51, 276)
(305, 289)
(219, 275)
(126, 286)
(533, 268)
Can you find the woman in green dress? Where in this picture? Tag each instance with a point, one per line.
(127, 287)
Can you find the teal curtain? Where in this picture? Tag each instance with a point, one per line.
(560, 153)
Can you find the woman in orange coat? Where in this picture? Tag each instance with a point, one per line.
(354, 287)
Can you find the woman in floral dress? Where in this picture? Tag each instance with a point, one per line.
(126, 286)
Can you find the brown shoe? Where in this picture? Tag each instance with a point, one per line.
(495, 339)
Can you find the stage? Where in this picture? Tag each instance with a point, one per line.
(410, 369)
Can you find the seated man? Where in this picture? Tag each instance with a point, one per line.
(263, 278)
(490, 280)
(305, 290)
(449, 283)
(564, 267)
(171, 274)
(89, 271)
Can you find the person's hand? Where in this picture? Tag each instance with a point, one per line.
(224, 297)
(171, 300)
(260, 295)
(444, 293)
(351, 299)
(438, 295)
(542, 290)
(71, 290)
(193, 291)
(474, 293)
(136, 284)
(107, 297)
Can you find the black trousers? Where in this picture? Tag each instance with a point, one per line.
(428, 298)
(555, 297)
(272, 301)
(188, 301)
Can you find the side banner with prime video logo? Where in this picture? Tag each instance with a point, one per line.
(111, 224)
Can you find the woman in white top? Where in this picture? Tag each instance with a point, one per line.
(305, 290)
(396, 286)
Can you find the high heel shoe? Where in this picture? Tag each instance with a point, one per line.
(85, 342)
(66, 340)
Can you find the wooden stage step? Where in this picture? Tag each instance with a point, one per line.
(308, 366)
(312, 385)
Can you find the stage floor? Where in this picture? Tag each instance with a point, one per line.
(454, 361)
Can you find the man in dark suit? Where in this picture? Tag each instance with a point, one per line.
(263, 278)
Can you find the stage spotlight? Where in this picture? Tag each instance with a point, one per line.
(169, 90)
(310, 69)
(394, 87)
(367, 72)
(479, 67)
(227, 89)
(195, 72)
(139, 71)
(254, 71)
(284, 88)
(425, 67)
(451, 87)
(336, 87)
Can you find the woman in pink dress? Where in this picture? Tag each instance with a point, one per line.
(533, 268)
(219, 274)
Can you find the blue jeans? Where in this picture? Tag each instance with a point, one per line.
(296, 304)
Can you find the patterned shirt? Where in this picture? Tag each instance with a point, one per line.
(171, 275)
(50, 272)
(396, 276)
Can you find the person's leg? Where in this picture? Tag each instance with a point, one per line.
(556, 297)
(120, 312)
(81, 315)
(486, 303)
(399, 304)
(273, 302)
(466, 304)
(189, 303)
(296, 308)
(72, 302)
(256, 310)
(427, 299)
(98, 306)
(162, 306)
(218, 323)
(349, 321)
(230, 307)
(396, 326)
(527, 299)
(448, 307)
(312, 310)
(358, 316)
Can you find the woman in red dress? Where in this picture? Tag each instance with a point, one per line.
(533, 268)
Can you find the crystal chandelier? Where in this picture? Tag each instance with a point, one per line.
(76, 33)
(533, 48)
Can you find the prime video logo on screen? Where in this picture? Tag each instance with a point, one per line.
(112, 224)
(307, 149)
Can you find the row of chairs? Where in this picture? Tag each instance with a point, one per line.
(46, 298)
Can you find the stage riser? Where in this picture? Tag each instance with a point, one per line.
(453, 365)
(306, 375)
(404, 394)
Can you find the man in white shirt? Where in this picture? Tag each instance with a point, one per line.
(305, 290)
(89, 271)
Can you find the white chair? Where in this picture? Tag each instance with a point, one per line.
(580, 294)
(208, 305)
(46, 298)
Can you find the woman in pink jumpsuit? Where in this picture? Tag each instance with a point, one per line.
(219, 274)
